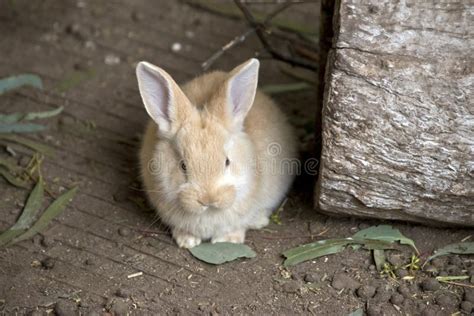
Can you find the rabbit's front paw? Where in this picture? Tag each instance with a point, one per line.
(235, 237)
(185, 240)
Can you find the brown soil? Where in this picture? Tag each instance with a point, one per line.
(85, 52)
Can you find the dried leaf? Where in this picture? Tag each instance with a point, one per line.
(29, 214)
(461, 248)
(21, 128)
(221, 252)
(11, 118)
(42, 115)
(10, 83)
(385, 233)
(285, 88)
(49, 214)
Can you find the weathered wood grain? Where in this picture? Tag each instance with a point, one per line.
(398, 116)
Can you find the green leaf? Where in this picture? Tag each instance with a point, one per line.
(357, 312)
(11, 118)
(49, 214)
(44, 114)
(13, 179)
(379, 258)
(221, 252)
(461, 248)
(10, 83)
(285, 88)
(38, 147)
(29, 214)
(385, 233)
(314, 250)
(21, 128)
(328, 247)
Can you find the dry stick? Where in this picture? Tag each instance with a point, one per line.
(241, 38)
(260, 30)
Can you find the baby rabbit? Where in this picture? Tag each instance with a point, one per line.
(216, 156)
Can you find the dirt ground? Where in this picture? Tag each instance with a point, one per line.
(85, 51)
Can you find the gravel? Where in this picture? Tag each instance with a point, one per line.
(366, 292)
(124, 231)
(430, 285)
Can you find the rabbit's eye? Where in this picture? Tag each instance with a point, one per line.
(227, 162)
(183, 166)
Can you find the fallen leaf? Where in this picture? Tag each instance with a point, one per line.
(385, 233)
(28, 216)
(10, 83)
(42, 115)
(314, 250)
(461, 248)
(221, 252)
(49, 214)
(13, 179)
(21, 128)
(44, 149)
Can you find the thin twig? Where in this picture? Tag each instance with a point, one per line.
(458, 284)
(260, 30)
(242, 37)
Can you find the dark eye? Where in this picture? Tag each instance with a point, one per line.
(227, 162)
(183, 166)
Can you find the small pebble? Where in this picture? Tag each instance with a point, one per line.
(374, 310)
(342, 281)
(453, 269)
(123, 292)
(431, 269)
(404, 290)
(469, 295)
(124, 231)
(37, 240)
(119, 308)
(382, 295)
(446, 300)
(430, 285)
(189, 34)
(89, 262)
(397, 299)
(366, 291)
(176, 47)
(65, 308)
(136, 16)
(312, 277)
(401, 273)
(48, 263)
(395, 259)
(467, 307)
(111, 60)
(372, 268)
(291, 287)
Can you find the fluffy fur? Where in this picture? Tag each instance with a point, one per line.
(213, 155)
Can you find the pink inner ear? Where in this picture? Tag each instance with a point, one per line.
(155, 91)
(242, 90)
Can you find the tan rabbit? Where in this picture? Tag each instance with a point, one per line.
(216, 157)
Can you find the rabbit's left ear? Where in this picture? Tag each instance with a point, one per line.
(241, 88)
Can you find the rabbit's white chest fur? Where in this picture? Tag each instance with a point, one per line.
(221, 150)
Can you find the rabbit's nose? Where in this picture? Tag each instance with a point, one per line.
(205, 200)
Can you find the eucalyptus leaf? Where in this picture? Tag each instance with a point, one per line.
(12, 179)
(461, 248)
(385, 233)
(10, 83)
(38, 147)
(221, 252)
(285, 88)
(10, 166)
(49, 214)
(28, 216)
(11, 118)
(21, 128)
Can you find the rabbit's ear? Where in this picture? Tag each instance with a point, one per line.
(163, 99)
(241, 89)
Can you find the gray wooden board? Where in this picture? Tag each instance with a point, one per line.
(398, 116)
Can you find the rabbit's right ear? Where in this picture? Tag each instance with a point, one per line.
(163, 99)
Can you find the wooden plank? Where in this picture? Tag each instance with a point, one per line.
(398, 117)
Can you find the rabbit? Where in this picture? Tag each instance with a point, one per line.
(214, 154)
